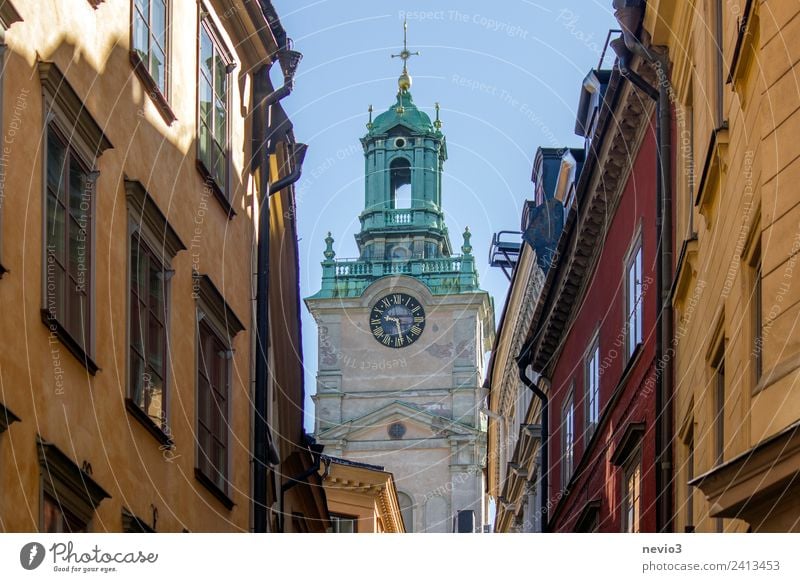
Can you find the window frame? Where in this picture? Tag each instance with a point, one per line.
(160, 429)
(592, 354)
(222, 192)
(634, 258)
(337, 518)
(756, 313)
(630, 468)
(63, 107)
(212, 311)
(160, 97)
(82, 348)
(71, 488)
(208, 328)
(568, 438)
(718, 65)
(146, 221)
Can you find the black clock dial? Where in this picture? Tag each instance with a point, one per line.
(397, 320)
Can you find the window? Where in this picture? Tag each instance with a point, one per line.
(757, 321)
(689, 477)
(149, 43)
(631, 496)
(717, 55)
(69, 494)
(212, 404)
(153, 244)
(148, 331)
(633, 299)
(344, 524)
(217, 325)
(593, 388)
(719, 409)
(60, 520)
(68, 238)
(71, 143)
(567, 441)
(400, 183)
(407, 510)
(213, 109)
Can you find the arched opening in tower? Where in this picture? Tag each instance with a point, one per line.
(400, 183)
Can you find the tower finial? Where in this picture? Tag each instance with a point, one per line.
(437, 124)
(369, 123)
(404, 82)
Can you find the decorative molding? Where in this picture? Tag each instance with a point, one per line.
(133, 524)
(212, 300)
(6, 418)
(589, 516)
(72, 487)
(146, 211)
(58, 88)
(8, 14)
(713, 169)
(627, 444)
(764, 473)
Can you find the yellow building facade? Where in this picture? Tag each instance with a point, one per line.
(736, 353)
(128, 229)
(361, 498)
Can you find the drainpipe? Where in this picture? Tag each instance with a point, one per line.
(629, 14)
(264, 452)
(544, 470)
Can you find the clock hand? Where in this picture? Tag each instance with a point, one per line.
(397, 322)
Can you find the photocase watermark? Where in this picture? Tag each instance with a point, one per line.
(32, 555)
(487, 22)
(569, 20)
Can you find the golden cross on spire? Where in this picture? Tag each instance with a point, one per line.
(405, 54)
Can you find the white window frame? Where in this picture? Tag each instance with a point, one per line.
(592, 385)
(568, 438)
(634, 295)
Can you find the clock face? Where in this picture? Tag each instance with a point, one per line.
(397, 320)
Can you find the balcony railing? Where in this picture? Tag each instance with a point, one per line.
(361, 268)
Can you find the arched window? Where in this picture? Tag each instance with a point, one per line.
(406, 510)
(400, 183)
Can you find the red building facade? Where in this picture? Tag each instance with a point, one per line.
(592, 345)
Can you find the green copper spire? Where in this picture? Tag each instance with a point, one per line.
(403, 230)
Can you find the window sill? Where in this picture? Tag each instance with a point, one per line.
(212, 487)
(218, 193)
(150, 84)
(148, 423)
(71, 344)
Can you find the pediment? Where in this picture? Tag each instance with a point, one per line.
(418, 424)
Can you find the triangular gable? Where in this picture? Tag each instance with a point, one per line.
(422, 423)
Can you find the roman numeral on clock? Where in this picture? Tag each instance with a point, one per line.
(387, 339)
(415, 330)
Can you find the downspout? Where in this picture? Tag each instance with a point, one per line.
(629, 14)
(264, 453)
(533, 386)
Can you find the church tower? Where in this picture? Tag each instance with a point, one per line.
(403, 329)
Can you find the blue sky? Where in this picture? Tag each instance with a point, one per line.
(507, 75)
